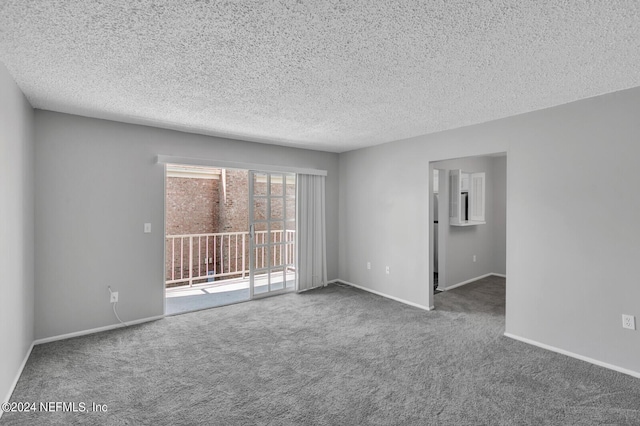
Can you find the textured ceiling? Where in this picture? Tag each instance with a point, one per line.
(328, 75)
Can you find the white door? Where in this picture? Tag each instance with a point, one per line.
(272, 229)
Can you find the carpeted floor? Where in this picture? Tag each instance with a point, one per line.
(334, 356)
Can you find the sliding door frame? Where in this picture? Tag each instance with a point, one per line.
(267, 218)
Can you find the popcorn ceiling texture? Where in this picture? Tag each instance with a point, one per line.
(328, 75)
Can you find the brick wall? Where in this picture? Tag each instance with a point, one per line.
(234, 202)
(192, 206)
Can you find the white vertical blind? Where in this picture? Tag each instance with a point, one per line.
(311, 226)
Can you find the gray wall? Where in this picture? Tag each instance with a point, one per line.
(16, 228)
(96, 184)
(572, 238)
(499, 225)
(485, 241)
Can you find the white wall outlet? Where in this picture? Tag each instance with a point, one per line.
(114, 297)
(474, 257)
(628, 321)
(368, 265)
(387, 270)
(147, 228)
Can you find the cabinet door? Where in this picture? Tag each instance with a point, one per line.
(477, 197)
(464, 181)
(454, 196)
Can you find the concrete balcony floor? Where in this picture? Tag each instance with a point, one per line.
(223, 292)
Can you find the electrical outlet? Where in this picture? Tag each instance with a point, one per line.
(114, 297)
(368, 265)
(628, 321)
(147, 228)
(387, 270)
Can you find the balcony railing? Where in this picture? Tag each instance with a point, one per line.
(208, 257)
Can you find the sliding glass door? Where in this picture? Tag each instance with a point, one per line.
(272, 230)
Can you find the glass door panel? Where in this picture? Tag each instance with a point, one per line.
(276, 184)
(272, 230)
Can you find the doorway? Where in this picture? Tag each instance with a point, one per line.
(230, 236)
(463, 248)
(438, 253)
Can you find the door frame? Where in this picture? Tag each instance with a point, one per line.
(443, 215)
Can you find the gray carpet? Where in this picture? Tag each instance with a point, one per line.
(334, 356)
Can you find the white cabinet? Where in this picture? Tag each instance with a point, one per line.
(466, 198)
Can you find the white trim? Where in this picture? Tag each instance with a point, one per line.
(397, 299)
(451, 287)
(207, 174)
(632, 373)
(18, 374)
(170, 159)
(95, 330)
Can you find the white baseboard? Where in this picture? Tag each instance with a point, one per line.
(632, 373)
(95, 330)
(18, 374)
(397, 299)
(451, 287)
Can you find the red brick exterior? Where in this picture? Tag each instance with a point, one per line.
(192, 206)
(234, 202)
